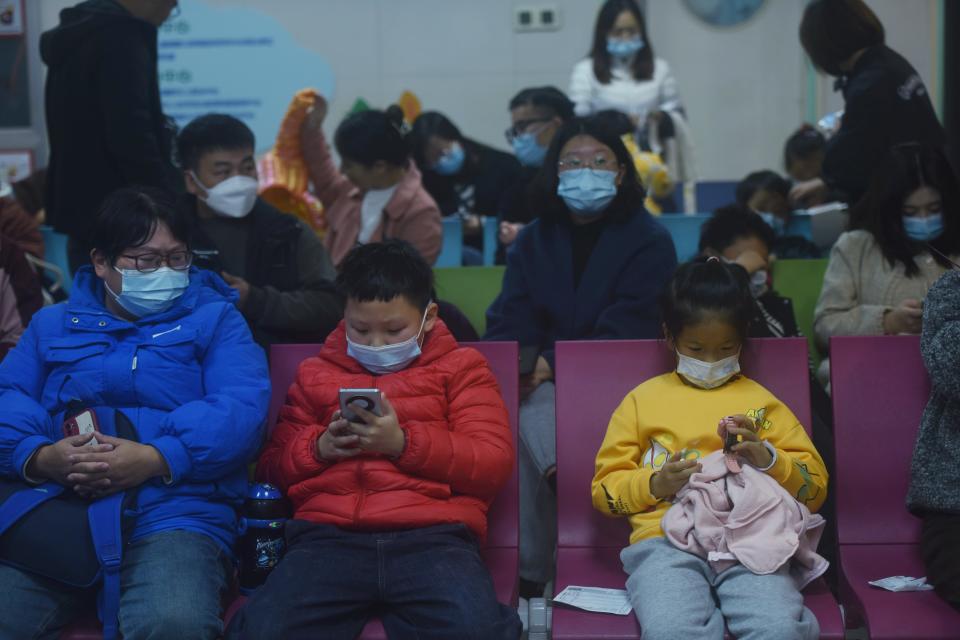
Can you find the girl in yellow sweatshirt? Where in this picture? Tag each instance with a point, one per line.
(652, 447)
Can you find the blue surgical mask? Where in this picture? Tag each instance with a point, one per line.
(451, 162)
(587, 191)
(144, 294)
(923, 229)
(528, 151)
(707, 375)
(624, 48)
(388, 358)
(774, 221)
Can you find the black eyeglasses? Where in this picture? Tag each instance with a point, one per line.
(150, 262)
(521, 127)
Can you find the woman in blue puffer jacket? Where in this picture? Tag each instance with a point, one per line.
(147, 336)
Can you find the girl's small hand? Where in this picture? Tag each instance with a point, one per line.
(673, 475)
(751, 448)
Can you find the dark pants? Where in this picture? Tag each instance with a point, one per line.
(940, 546)
(425, 583)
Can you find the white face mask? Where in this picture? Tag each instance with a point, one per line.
(388, 358)
(232, 198)
(758, 282)
(707, 375)
(144, 294)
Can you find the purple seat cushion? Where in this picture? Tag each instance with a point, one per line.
(916, 615)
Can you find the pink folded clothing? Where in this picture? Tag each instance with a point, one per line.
(745, 517)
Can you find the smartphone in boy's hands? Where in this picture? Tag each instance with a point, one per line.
(367, 399)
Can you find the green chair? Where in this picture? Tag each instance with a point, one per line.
(472, 289)
(801, 281)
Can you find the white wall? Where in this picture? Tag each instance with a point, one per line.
(745, 88)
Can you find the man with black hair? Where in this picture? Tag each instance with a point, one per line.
(536, 114)
(388, 506)
(736, 234)
(276, 263)
(766, 193)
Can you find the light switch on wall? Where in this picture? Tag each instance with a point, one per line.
(539, 17)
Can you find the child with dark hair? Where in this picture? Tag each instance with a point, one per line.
(665, 431)
(767, 193)
(803, 155)
(377, 193)
(739, 236)
(388, 509)
(465, 177)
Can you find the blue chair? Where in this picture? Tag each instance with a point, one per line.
(490, 225)
(451, 252)
(799, 225)
(55, 252)
(712, 195)
(685, 231)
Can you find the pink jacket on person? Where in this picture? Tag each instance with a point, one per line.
(745, 517)
(411, 214)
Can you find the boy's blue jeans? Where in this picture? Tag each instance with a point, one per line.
(427, 583)
(171, 584)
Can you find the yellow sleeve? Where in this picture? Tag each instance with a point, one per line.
(799, 468)
(620, 485)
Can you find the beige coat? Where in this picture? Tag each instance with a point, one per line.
(860, 286)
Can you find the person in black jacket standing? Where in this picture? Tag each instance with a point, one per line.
(105, 125)
(886, 102)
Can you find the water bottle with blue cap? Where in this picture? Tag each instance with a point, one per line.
(265, 512)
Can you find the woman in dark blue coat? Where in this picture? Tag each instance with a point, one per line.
(589, 268)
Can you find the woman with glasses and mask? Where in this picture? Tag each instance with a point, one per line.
(904, 233)
(147, 341)
(589, 268)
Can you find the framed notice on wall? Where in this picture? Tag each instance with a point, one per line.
(15, 164)
(11, 18)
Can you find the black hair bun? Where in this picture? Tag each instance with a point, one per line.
(395, 115)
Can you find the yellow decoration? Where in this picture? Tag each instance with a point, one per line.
(284, 182)
(652, 172)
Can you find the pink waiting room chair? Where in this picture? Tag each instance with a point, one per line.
(592, 378)
(880, 388)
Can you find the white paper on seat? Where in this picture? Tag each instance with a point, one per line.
(902, 583)
(596, 599)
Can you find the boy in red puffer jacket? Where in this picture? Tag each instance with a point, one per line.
(388, 512)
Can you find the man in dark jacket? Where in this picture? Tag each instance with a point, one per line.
(105, 126)
(275, 262)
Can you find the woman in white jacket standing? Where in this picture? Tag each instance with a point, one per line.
(622, 72)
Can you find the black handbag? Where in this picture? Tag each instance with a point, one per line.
(52, 532)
